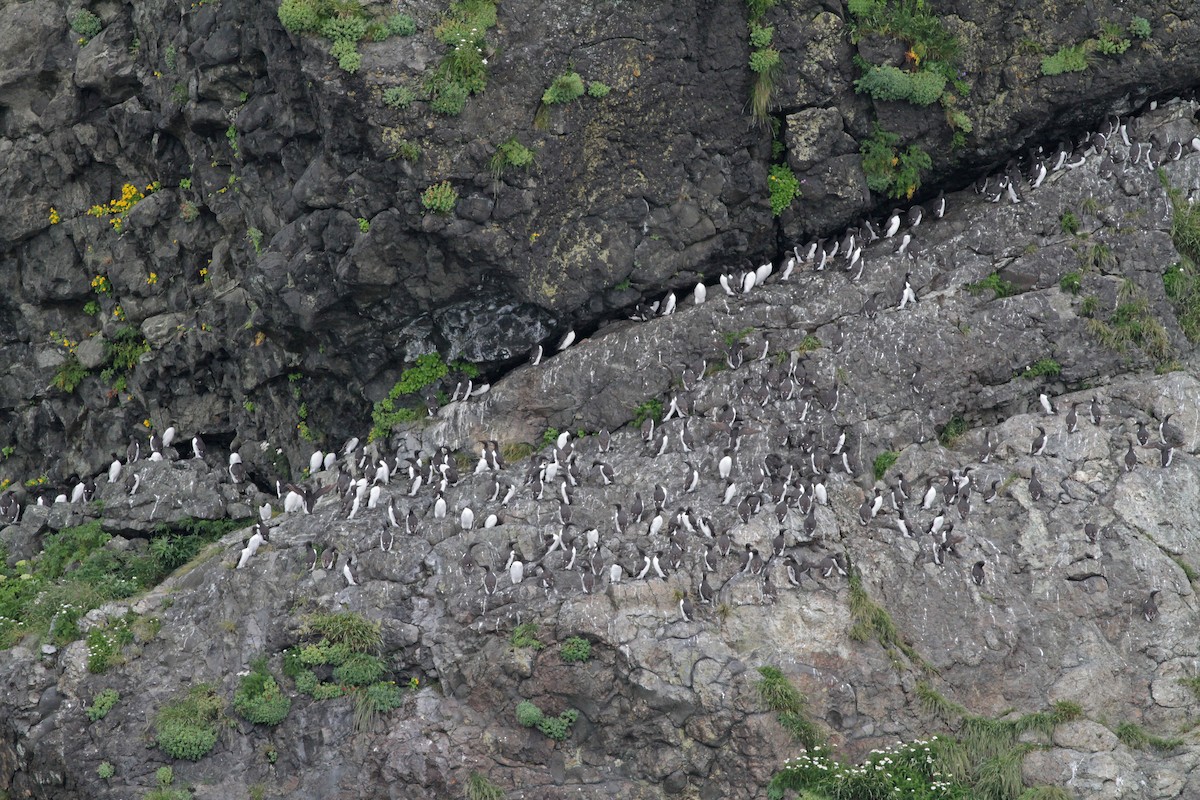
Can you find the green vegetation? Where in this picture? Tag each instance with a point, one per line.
(187, 728)
(985, 760)
(480, 788)
(70, 374)
(170, 56)
(165, 776)
(398, 97)
(511, 153)
(525, 635)
(1071, 283)
(1134, 736)
(952, 431)
(1043, 367)
(1140, 28)
(1193, 685)
(364, 225)
(930, 72)
(45, 597)
(370, 702)
(1181, 281)
(86, 24)
(122, 352)
(102, 704)
(884, 462)
(91, 308)
(764, 60)
(556, 728)
(916, 770)
(889, 170)
(105, 770)
(1111, 41)
(599, 91)
(783, 187)
(575, 650)
(1132, 323)
(651, 409)
(1069, 222)
(808, 344)
(992, 283)
(463, 70)
(440, 198)
(1067, 59)
(426, 371)
(258, 699)
(779, 695)
(345, 23)
(564, 89)
(1097, 255)
(872, 621)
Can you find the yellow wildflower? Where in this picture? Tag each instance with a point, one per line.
(153, 279)
(54, 217)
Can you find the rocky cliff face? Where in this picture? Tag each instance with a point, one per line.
(285, 270)
(1061, 295)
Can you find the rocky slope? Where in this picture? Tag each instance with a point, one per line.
(1013, 301)
(248, 265)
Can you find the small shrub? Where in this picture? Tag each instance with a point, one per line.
(885, 83)
(105, 770)
(1067, 59)
(651, 409)
(1111, 41)
(102, 704)
(511, 153)
(883, 462)
(890, 170)
(255, 237)
(364, 225)
(398, 97)
(258, 699)
(187, 728)
(525, 635)
(926, 87)
(70, 374)
(564, 89)
(450, 99)
(299, 16)
(401, 25)
(528, 714)
(558, 728)
(440, 198)
(1140, 28)
(783, 187)
(86, 24)
(575, 649)
(598, 90)
(760, 35)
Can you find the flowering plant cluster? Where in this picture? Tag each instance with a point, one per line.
(116, 209)
(900, 771)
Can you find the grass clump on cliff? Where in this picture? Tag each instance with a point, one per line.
(187, 728)
(258, 698)
(510, 153)
(779, 695)
(872, 621)
(883, 462)
(479, 787)
(1043, 367)
(1133, 735)
(525, 635)
(889, 170)
(564, 89)
(651, 409)
(1066, 59)
(575, 650)
(1132, 323)
(992, 283)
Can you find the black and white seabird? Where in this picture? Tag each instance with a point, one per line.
(977, 573)
(198, 447)
(1131, 458)
(1035, 486)
(1073, 418)
(1094, 411)
(1039, 442)
(1150, 608)
(311, 555)
(685, 609)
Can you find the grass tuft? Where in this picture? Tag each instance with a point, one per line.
(883, 462)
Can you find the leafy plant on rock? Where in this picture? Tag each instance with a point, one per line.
(564, 89)
(783, 187)
(102, 704)
(187, 728)
(258, 698)
(890, 170)
(576, 649)
(440, 198)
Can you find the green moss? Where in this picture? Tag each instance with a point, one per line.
(598, 90)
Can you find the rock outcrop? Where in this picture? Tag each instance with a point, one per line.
(287, 236)
(1013, 301)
